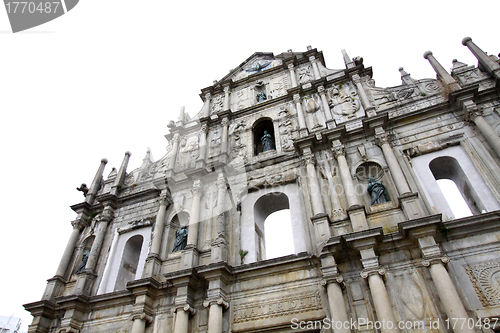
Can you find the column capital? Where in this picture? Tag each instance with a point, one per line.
(356, 78)
(197, 188)
(225, 121)
(165, 199)
(107, 214)
(332, 279)
(204, 128)
(227, 89)
(321, 89)
(338, 148)
(218, 301)
(176, 138)
(79, 224)
(471, 110)
(381, 139)
(208, 96)
(435, 260)
(296, 98)
(291, 67)
(186, 308)
(221, 181)
(309, 159)
(373, 271)
(141, 316)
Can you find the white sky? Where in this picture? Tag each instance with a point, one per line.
(109, 75)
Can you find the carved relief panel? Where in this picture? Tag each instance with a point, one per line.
(189, 150)
(344, 102)
(486, 281)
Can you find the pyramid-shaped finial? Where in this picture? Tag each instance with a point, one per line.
(405, 77)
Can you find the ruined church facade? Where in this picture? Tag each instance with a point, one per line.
(179, 244)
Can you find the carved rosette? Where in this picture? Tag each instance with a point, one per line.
(485, 278)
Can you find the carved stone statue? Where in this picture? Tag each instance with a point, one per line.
(180, 239)
(85, 258)
(377, 191)
(267, 142)
(261, 96)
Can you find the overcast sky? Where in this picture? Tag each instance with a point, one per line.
(109, 75)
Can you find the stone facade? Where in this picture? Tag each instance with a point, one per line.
(398, 262)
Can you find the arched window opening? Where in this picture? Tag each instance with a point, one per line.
(454, 198)
(264, 207)
(278, 234)
(263, 136)
(129, 263)
(446, 167)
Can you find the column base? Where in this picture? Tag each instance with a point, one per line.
(84, 282)
(321, 224)
(218, 253)
(153, 267)
(358, 218)
(411, 206)
(303, 132)
(189, 257)
(330, 124)
(54, 287)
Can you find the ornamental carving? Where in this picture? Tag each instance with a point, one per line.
(486, 281)
(217, 103)
(304, 74)
(278, 306)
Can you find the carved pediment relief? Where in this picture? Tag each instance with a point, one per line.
(255, 65)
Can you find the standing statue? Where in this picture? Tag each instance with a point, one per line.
(180, 239)
(267, 142)
(377, 191)
(261, 96)
(85, 258)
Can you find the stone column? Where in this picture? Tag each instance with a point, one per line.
(452, 304)
(314, 188)
(194, 218)
(206, 105)
(473, 113)
(106, 217)
(78, 225)
(215, 314)
(224, 139)
(182, 319)
(324, 102)
(226, 99)
(373, 272)
(367, 105)
(333, 281)
(484, 60)
(203, 142)
(314, 63)
(139, 325)
(94, 188)
(173, 153)
(382, 140)
(159, 224)
(345, 175)
(293, 77)
(442, 74)
(300, 112)
(219, 244)
(86, 277)
(120, 177)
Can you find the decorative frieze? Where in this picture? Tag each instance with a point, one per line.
(278, 306)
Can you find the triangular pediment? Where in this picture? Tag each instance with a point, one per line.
(256, 63)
